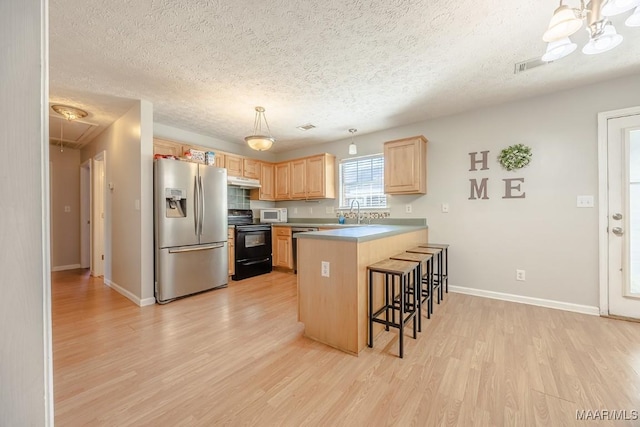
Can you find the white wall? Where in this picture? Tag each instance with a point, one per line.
(128, 228)
(65, 191)
(26, 381)
(544, 234)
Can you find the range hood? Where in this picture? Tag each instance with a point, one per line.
(238, 181)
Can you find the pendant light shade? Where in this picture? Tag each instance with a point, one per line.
(258, 141)
(634, 19)
(606, 41)
(616, 7)
(353, 149)
(564, 23)
(559, 49)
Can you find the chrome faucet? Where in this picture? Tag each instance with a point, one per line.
(351, 208)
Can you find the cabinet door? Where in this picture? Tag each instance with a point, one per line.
(405, 166)
(233, 165)
(298, 179)
(282, 256)
(232, 254)
(282, 181)
(220, 160)
(167, 148)
(267, 181)
(251, 168)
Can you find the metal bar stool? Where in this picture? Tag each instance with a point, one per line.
(403, 303)
(423, 274)
(436, 275)
(445, 250)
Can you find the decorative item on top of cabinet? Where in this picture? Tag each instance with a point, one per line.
(267, 183)
(166, 148)
(282, 247)
(233, 164)
(282, 181)
(251, 168)
(405, 166)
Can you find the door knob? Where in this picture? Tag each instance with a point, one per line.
(617, 231)
(617, 216)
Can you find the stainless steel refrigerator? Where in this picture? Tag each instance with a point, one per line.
(190, 228)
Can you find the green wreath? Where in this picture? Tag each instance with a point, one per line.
(515, 157)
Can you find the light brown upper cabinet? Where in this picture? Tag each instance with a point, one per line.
(267, 190)
(320, 177)
(167, 148)
(233, 164)
(311, 178)
(405, 166)
(251, 168)
(219, 160)
(282, 180)
(298, 179)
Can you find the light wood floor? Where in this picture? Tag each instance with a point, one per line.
(237, 356)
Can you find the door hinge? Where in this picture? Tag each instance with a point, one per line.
(103, 257)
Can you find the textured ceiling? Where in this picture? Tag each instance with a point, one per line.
(337, 64)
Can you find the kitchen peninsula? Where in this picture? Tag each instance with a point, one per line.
(334, 308)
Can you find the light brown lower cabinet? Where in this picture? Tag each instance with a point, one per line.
(232, 254)
(282, 247)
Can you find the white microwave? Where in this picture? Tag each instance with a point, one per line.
(273, 215)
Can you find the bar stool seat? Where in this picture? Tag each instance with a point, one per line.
(402, 302)
(423, 274)
(445, 269)
(436, 275)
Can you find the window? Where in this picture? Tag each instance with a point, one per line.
(362, 179)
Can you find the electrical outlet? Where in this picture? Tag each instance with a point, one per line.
(585, 202)
(408, 208)
(445, 208)
(324, 268)
(520, 275)
(295, 210)
(310, 210)
(67, 209)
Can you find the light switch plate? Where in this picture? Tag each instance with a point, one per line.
(445, 208)
(324, 267)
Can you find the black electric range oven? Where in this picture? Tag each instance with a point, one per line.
(252, 245)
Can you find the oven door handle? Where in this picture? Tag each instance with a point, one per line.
(253, 262)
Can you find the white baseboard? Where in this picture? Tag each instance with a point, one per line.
(559, 305)
(66, 267)
(122, 291)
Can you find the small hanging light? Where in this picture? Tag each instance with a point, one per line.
(258, 141)
(352, 147)
(69, 113)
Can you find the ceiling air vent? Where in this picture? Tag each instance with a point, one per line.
(527, 65)
(308, 126)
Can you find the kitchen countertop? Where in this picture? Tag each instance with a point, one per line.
(361, 233)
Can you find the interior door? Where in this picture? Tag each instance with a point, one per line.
(623, 175)
(214, 209)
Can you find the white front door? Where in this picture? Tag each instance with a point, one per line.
(623, 220)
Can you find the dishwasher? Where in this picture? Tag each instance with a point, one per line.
(294, 243)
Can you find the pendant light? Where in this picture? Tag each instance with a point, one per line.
(352, 147)
(69, 113)
(258, 141)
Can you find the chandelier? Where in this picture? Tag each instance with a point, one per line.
(70, 113)
(258, 141)
(567, 21)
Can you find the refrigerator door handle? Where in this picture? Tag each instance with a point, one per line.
(201, 204)
(196, 203)
(196, 248)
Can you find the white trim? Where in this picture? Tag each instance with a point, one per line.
(122, 291)
(65, 267)
(603, 202)
(559, 305)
